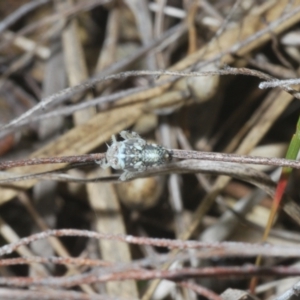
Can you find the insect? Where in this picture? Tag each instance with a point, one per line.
(133, 155)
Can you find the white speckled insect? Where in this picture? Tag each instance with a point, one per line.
(133, 155)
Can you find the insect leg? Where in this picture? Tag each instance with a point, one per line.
(126, 175)
(103, 163)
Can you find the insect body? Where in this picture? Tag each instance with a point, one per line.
(134, 154)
